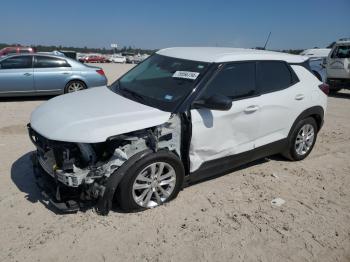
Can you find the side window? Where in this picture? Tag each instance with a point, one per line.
(235, 80)
(49, 62)
(17, 62)
(273, 76)
(334, 52)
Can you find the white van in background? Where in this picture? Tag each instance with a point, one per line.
(338, 65)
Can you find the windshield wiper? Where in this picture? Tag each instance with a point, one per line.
(132, 94)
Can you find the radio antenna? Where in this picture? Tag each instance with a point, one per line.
(267, 40)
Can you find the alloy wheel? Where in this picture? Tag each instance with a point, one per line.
(304, 139)
(154, 184)
(75, 86)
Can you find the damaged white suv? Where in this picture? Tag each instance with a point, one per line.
(182, 115)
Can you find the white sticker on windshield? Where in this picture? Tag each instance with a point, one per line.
(168, 97)
(186, 75)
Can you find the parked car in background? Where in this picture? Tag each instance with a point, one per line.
(316, 61)
(94, 59)
(16, 50)
(129, 57)
(41, 74)
(338, 66)
(116, 58)
(183, 115)
(139, 58)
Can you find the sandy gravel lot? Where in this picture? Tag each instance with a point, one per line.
(225, 219)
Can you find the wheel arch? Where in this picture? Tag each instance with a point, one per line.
(315, 112)
(105, 201)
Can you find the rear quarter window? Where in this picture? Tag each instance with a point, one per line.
(273, 76)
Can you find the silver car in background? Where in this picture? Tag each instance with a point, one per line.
(42, 74)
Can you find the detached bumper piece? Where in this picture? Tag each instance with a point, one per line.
(59, 196)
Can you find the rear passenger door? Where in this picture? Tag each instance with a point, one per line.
(280, 100)
(51, 74)
(217, 134)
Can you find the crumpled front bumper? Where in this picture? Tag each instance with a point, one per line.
(62, 198)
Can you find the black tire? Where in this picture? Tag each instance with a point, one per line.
(73, 82)
(124, 192)
(291, 153)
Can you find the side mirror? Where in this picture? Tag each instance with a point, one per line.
(215, 102)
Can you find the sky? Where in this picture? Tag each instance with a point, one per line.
(154, 24)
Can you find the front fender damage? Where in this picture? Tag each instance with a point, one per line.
(94, 171)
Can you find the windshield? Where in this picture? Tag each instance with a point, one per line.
(160, 81)
(342, 51)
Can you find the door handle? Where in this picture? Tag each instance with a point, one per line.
(65, 73)
(27, 74)
(251, 109)
(299, 97)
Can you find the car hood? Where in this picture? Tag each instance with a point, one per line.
(93, 115)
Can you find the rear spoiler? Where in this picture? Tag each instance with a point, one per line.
(304, 64)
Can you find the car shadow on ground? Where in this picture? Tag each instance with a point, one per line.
(23, 177)
(25, 98)
(340, 95)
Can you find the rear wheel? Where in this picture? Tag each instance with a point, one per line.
(74, 86)
(151, 181)
(302, 139)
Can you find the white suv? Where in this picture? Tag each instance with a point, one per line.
(182, 115)
(338, 65)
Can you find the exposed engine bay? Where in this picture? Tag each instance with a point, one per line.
(79, 171)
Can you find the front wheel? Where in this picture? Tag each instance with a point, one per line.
(152, 181)
(302, 139)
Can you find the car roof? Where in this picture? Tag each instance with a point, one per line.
(226, 54)
(37, 54)
(40, 54)
(16, 47)
(343, 41)
(316, 52)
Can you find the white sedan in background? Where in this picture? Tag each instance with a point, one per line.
(117, 59)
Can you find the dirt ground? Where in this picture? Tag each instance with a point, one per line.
(229, 218)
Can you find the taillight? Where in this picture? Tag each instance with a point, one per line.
(100, 72)
(325, 88)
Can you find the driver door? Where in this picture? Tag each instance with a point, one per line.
(218, 134)
(16, 75)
